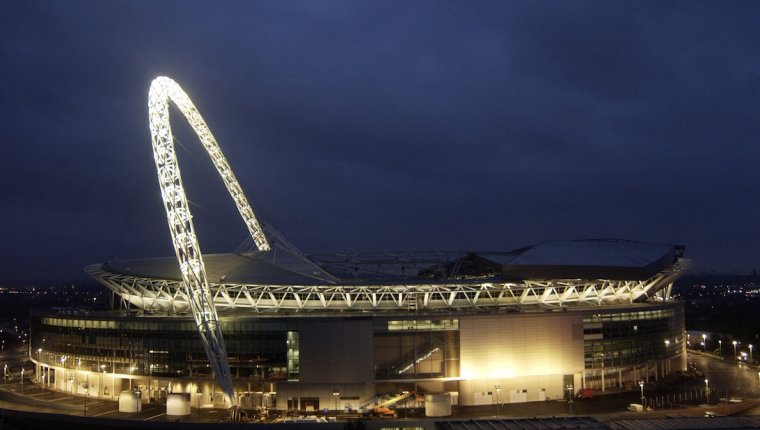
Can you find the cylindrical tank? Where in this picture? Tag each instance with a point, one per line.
(438, 405)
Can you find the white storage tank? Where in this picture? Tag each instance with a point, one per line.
(438, 405)
(129, 401)
(178, 404)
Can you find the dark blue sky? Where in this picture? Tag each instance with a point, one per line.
(365, 126)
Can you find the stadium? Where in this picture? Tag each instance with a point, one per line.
(271, 327)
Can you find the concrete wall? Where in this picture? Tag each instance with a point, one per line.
(334, 355)
(519, 352)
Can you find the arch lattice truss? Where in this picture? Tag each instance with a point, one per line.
(169, 295)
(194, 283)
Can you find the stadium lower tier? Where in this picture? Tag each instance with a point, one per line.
(314, 361)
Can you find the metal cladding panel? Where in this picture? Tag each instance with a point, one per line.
(336, 351)
(591, 259)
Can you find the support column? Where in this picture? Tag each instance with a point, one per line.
(620, 378)
(647, 371)
(602, 380)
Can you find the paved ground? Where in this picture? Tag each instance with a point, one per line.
(726, 380)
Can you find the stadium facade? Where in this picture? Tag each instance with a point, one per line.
(272, 327)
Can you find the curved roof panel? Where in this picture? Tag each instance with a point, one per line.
(589, 259)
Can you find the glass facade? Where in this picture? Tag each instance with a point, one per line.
(416, 349)
(268, 348)
(632, 338)
(263, 349)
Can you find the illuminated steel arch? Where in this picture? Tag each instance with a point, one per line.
(163, 90)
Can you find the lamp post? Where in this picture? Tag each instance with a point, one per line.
(750, 352)
(498, 390)
(131, 388)
(734, 350)
(641, 384)
(704, 343)
(336, 393)
(199, 393)
(720, 343)
(703, 347)
(86, 387)
(707, 391)
(405, 392)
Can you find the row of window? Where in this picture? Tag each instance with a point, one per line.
(166, 326)
(629, 316)
(437, 324)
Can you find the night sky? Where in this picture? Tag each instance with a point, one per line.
(383, 126)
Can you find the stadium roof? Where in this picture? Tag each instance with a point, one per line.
(590, 259)
(586, 259)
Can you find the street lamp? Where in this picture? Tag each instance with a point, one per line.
(703, 347)
(336, 393)
(405, 398)
(720, 343)
(641, 384)
(734, 350)
(131, 388)
(199, 393)
(86, 387)
(707, 391)
(498, 390)
(704, 343)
